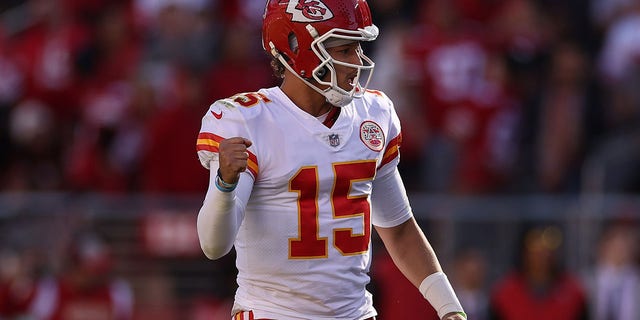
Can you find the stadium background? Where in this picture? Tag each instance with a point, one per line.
(515, 113)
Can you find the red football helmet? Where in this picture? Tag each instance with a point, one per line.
(296, 32)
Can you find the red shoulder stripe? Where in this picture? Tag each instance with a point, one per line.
(211, 142)
(392, 150)
(208, 141)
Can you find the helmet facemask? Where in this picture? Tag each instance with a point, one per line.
(335, 37)
(333, 92)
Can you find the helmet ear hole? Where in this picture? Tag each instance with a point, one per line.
(293, 42)
(322, 72)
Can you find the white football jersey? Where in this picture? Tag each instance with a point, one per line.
(304, 246)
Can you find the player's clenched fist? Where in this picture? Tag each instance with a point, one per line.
(454, 316)
(233, 158)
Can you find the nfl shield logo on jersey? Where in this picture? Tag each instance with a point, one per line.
(334, 140)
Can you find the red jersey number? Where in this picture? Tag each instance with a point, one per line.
(250, 99)
(309, 244)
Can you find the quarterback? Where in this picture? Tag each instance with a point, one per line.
(300, 173)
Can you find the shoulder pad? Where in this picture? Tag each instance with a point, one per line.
(379, 97)
(249, 104)
(249, 99)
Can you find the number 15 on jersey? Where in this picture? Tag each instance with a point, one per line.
(310, 244)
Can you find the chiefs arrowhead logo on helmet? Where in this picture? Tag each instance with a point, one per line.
(309, 11)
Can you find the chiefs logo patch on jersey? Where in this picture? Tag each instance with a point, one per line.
(309, 11)
(371, 135)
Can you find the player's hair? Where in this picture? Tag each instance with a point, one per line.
(277, 67)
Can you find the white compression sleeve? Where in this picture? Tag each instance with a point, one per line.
(221, 214)
(438, 291)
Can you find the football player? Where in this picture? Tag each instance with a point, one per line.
(299, 173)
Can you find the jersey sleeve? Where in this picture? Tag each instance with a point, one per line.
(391, 153)
(389, 201)
(223, 120)
(389, 198)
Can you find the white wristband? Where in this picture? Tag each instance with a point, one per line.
(438, 291)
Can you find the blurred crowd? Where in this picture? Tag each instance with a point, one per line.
(495, 96)
(107, 96)
(515, 96)
(537, 286)
(80, 280)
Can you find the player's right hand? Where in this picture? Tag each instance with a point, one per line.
(233, 158)
(454, 316)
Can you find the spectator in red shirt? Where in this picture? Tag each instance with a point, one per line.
(87, 288)
(241, 67)
(17, 282)
(166, 164)
(538, 288)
